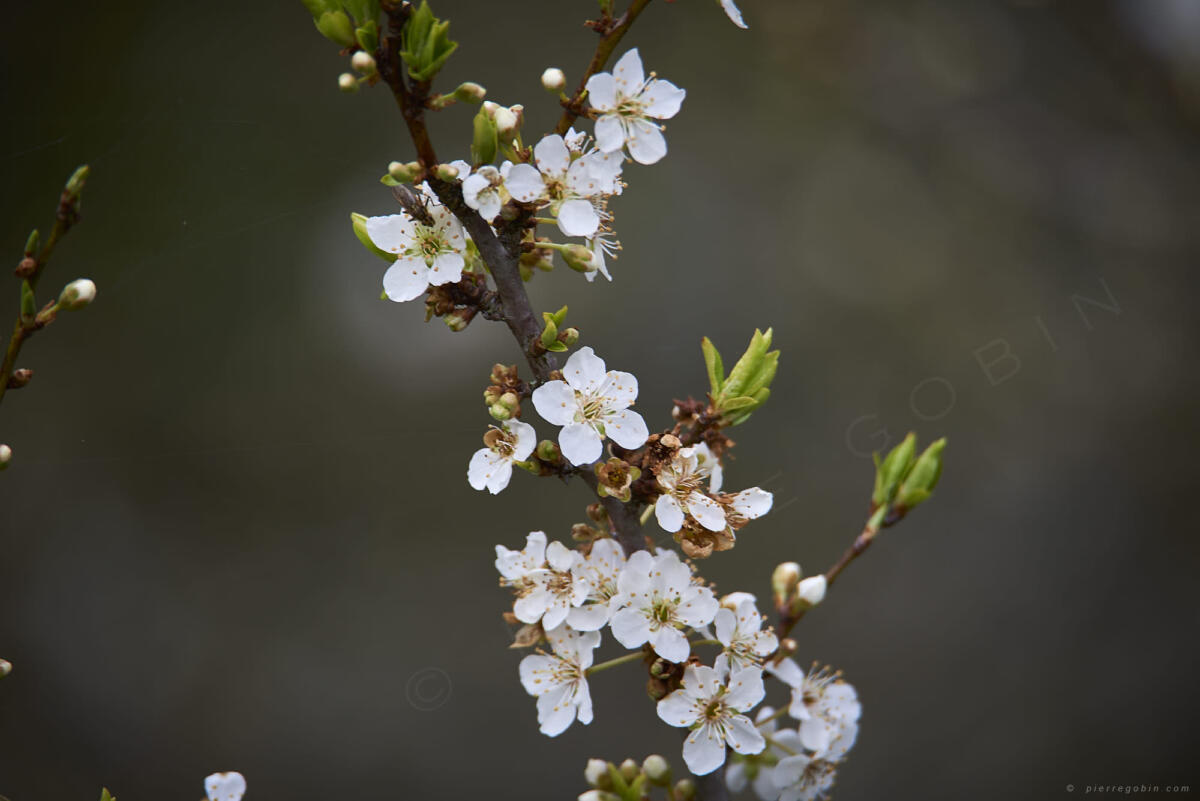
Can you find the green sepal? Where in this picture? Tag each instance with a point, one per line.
(714, 366)
(336, 27)
(359, 222)
(367, 36)
(484, 139)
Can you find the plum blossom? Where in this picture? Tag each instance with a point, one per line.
(810, 777)
(572, 187)
(759, 769)
(655, 598)
(627, 104)
(491, 467)
(560, 680)
(681, 482)
(225, 786)
(427, 253)
(710, 701)
(544, 578)
(734, 13)
(591, 404)
(482, 190)
(600, 570)
(740, 631)
(823, 704)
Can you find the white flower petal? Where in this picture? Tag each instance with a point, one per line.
(619, 390)
(447, 269)
(663, 99)
(679, 709)
(631, 628)
(743, 737)
(734, 13)
(531, 607)
(580, 443)
(225, 786)
(669, 513)
(589, 617)
(697, 606)
(646, 142)
(525, 183)
(406, 279)
(707, 512)
(726, 625)
(556, 710)
(483, 463)
(670, 643)
(786, 671)
(602, 91)
(560, 557)
(610, 133)
(537, 674)
(578, 218)
(552, 156)
(392, 233)
(628, 73)
(555, 402)
(627, 428)
(584, 371)
(704, 750)
(746, 689)
(752, 503)
(526, 438)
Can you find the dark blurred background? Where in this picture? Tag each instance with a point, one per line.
(237, 532)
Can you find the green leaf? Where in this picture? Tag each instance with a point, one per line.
(550, 332)
(748, 365)
(31, 244)
(105, 795)
(363, 10)
(733, 404)
(559, 316)
(557, 347)
(892, 470)
(388, 180)
(336, 27)
(923, 477)
(714, 366)
(319, 7)
(484, 141)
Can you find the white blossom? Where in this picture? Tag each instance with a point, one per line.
(809, 777)
(591, 404)
(491, 467)
(628, 104)
(759, 769)
(812, 589)
(426, 254)
(734, 13)
(656, 597)
(482, 191)
(568, 184)
(600, 571)
(225, 786)
(544, 578)
(559, 680)
(823, 704)
(710, 701)
(740, 631)
(681, 482)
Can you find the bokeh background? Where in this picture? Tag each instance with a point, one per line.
(238, 535)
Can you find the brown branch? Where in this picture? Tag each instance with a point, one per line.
(611, 32)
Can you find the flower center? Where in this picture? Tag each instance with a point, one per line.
(428, 242)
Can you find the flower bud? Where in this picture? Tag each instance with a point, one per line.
(469, 92)
(363, 62)
(548, 451)
(629, 770)
(25, 267)
(403, 172)
(657, 770)
(5, 668)
(784, 581)
(500, 412)
(599, 795)
(446, 172)
(578, 258)
(596, 773)
(812, 590)
(506, 123)
(347, 83)
(77, 294)
(568, 336)
(553, 80)
(5, 456)
(685, 789)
